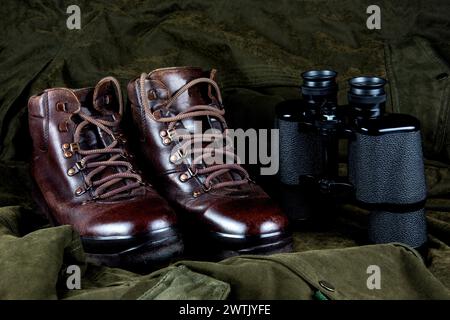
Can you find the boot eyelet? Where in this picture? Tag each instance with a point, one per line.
(173, 158)
(184, 177)
(71, 172)
(61, 107)
(63, 126)
(68, 154)
(196, 194)
(206, 189)
(74, 147)
(79, 191)
(167, 136)
(75, 169)
(176, 157)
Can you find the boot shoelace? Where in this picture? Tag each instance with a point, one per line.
(88, 161)
(211, 171)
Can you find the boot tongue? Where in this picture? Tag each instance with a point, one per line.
(102, 103)
(166, 82)
(107, 97)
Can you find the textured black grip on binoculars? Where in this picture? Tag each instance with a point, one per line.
(298, 153)
(388, 168)
(409, 228)
(387, 172)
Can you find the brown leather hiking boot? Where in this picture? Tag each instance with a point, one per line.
(221, 209)
(84, 178)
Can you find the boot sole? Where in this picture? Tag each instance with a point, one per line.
(211, 246)
(147, 256)
(282, 246)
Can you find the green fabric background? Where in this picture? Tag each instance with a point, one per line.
(259, 48)
(33, 266)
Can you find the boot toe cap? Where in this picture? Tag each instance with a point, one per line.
(116, 227)
(130, 219)
(246, 218)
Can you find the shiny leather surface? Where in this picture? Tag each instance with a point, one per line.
(244, 211)
(140, 213)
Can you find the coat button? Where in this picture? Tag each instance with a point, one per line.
(327, 286)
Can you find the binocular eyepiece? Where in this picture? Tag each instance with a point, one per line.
(365, 87)
(366, 95)
(319, 82)
(319, 89)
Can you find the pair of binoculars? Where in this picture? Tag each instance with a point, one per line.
(385, 169)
